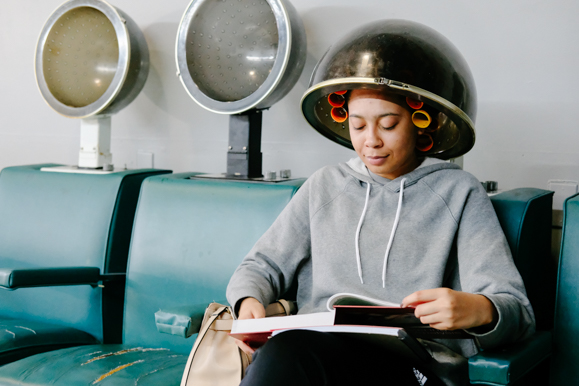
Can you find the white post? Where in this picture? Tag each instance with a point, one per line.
(95, 143)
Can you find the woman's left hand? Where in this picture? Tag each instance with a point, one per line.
(446, 309)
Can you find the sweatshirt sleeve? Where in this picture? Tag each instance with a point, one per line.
(269, 269)
(486, 267)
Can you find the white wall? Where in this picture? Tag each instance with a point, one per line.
(524, 56)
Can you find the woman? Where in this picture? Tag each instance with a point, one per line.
(391, 224)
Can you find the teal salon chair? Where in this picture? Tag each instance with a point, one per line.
(565, 362)
(525, 216)
(189, 236)
(64, 240)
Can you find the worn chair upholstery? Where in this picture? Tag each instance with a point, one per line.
(188, 238)
(525, 216)
(565, 369)
(61, 236)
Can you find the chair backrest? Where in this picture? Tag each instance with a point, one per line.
(564, 369)
(50, 219)
(525, 216)
(189, 237)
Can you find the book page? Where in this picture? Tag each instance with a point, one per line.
(283, 322)
(348, 299)
(393, 331)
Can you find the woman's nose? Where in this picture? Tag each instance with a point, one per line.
(372, 138)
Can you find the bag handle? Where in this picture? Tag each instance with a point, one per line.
(206, 326)
(289, 306)
(280, 308)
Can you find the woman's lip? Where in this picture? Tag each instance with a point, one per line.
(376, 160)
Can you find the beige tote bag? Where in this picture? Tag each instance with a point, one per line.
(215, 359)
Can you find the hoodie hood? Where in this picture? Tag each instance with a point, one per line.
(357, 169)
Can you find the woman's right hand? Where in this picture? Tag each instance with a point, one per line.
(250, 308)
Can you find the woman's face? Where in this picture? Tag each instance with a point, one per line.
(382, 133)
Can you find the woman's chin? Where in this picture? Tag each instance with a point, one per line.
(380, 171)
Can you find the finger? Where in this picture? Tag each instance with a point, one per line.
(431, 320)
(246, 314)
(420, 297)
(251, 309)
(442, 326)
(425, 309)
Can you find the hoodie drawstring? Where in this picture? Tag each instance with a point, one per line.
(400, 196)
(396, 220)
(358, 234)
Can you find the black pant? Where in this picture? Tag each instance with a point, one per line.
(305, 358)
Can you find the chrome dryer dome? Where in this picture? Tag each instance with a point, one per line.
(91, 59)
(234, 56)
(405, 58)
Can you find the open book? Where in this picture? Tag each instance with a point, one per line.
(348, 313)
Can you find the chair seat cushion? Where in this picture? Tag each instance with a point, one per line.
(20, 338)
(98, 365)
(505, 365)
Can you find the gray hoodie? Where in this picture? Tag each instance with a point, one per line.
(345, 231)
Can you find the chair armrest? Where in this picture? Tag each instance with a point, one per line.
(505, 365)
(182, 321)
(12, 279)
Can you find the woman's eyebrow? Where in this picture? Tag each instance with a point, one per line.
(378, 116)
(388, 114)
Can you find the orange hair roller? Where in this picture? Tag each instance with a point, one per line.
(421, 119)
(339, 114)
(413, 103)
(424, 142)
(336, 100)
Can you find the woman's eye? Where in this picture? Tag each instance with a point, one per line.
(357, 124)
(388, 123)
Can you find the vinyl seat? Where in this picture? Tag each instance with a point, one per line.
(20, 337)
(64, 241)
(99, 365)
(188, 238)
(565, 369)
